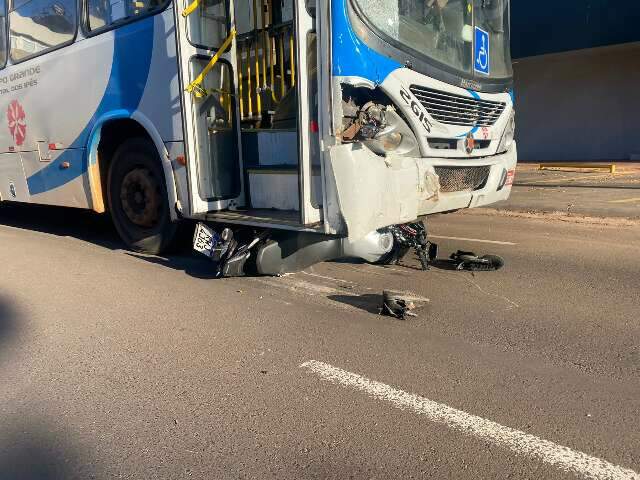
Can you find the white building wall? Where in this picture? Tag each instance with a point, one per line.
(579, 106)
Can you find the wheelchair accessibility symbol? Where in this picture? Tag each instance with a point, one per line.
(481, 62)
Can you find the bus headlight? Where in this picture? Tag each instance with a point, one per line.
(509, 134)
(395, 138)
(391, 141)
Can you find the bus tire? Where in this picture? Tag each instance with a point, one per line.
(138, 200)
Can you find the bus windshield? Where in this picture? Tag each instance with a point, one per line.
(444, 30)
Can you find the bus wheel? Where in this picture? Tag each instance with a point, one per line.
(138, 199)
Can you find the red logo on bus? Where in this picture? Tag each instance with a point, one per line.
(17, 124)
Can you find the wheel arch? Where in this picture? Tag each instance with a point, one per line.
(106, 135)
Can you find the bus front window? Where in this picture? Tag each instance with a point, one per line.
(493, 17)
(442, 30)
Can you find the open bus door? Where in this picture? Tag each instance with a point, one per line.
(311, 180)
(204, 32)
(252, 147)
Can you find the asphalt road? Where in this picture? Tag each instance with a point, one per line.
(576, 192)
(595, 202)
(116, 365)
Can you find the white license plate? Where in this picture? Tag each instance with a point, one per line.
(205, 240)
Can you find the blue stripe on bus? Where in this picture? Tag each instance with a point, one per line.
(351, 57)
(130, 65)
(476, 128)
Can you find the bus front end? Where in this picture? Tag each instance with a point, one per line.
(422, 115)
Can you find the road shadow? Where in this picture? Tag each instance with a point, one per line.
(438, 264)
(192, 265)
(445, 264)
(372, 303)
(9, 321)
(37, 450)
(84, 225)
(98, 229)
(368, 302)
(30, 448)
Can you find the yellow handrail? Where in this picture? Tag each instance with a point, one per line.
(257, 58)
(272, 78)
(265, 35)
(264, 49)
(270, 42)
(195, 87)
(291, 60)
(249, 85)
(190, 8)
(281, 61)
(240, 81)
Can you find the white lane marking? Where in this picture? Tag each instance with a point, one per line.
(494, 242)
(519, 442)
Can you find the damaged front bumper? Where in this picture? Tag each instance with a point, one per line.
(366, 192)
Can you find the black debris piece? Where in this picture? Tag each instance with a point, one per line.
(394, 305)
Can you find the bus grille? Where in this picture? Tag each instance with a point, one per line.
(454, 109)
(462, 179)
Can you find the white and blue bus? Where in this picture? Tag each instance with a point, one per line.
(322, 121)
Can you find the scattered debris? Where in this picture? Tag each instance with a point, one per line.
(396, 305)
(472, 262)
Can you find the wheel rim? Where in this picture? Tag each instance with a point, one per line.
(140, 197)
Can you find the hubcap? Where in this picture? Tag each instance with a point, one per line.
(141, 198)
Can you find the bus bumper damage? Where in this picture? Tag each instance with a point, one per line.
(366, 192)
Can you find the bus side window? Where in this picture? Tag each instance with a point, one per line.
(37, 26)
(311, 7)
(103, 13)
(3, 33)
(208, 24)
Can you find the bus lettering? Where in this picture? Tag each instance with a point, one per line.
(417, 111)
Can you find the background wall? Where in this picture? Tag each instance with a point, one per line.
(582, 105)
(577, 79)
